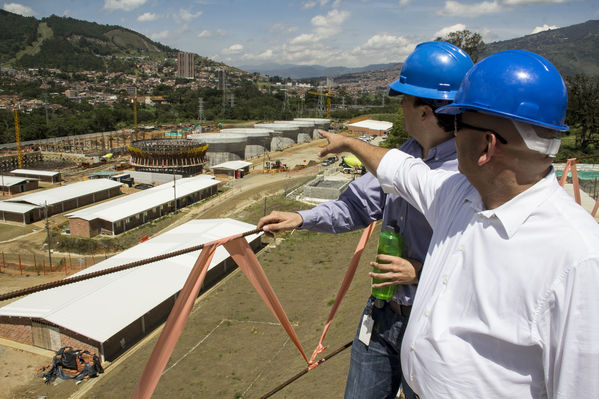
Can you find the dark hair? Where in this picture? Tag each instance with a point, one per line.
(444, 121)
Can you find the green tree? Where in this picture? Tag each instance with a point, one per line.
(583, 108)
(470, 42)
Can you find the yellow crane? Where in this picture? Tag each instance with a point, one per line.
(328, 95)
(18, 134)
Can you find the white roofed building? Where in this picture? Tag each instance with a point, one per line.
(231, 169)
(15, 185)
(30, 208)
(124, 213)
(108, 314)
(370, 127)
(43, 175)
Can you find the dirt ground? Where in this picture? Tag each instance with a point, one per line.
(243, 352)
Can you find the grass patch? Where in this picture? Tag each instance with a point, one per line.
(8, 231)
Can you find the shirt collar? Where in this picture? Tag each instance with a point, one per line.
(443, 151)
(514, 213)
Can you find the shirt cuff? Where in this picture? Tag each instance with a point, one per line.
(306, 218)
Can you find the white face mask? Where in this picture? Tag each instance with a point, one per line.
(534, 142)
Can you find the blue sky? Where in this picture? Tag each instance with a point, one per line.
(324, 32)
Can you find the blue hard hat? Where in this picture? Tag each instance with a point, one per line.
(514, 84)
(434, 70)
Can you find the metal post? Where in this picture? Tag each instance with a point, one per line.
(20, 266)
(49, 236)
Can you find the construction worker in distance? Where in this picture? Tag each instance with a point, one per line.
(429, 78)
(507, 301)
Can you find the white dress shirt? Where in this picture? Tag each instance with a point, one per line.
(508, 301)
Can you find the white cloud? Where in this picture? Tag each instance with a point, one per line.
(329, 25)
(126, 5)
(304, 38)
(523, 2)
(403, 3)
(306, 5)
(384, 47)
(282, 28)
(448, 29)
(20, 9)
(165, 34)
(457, 9)
(147, 17)
(187, 15)
(233, 49)
(212, 33)
(543, 28)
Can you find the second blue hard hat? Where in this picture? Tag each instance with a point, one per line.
(514, 84)
(434, 70)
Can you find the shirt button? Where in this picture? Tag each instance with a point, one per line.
(461, 247)
(411, 378)
(427, 313)
(445, 281)
(413, 347)
(401, 218)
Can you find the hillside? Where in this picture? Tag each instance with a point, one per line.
(69, 44)
(307, 71)
(573, 49)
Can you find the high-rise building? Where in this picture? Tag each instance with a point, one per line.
(185, 65)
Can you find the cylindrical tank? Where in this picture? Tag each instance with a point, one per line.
(258, 139)
(319, 123)
(222, 147)
(285, 134)
(306, 130)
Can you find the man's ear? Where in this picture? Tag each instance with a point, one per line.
(488, 150)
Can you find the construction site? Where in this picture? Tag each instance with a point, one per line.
(162, 195)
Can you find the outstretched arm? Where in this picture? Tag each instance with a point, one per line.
(370, 155)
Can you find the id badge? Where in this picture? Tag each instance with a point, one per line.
(366, 329)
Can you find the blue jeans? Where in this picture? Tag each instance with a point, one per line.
(375, 370)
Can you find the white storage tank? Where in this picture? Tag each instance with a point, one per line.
(222, 147)
(285, 134)
(258, 139)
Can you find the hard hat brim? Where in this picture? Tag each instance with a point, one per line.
(397, 88)
(457, 108)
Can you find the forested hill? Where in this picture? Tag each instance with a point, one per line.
(69, 44)
(573, 49)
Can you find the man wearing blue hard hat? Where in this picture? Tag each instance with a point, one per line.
(429, 78)
(507, 300)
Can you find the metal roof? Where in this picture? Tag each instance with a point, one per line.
(231, 165)
(8, 181)
(132, 204)
(16, 207)
(68, 192)
(33, 172)
(100, 307)
(372, 124)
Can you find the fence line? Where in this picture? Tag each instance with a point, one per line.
(16, 263)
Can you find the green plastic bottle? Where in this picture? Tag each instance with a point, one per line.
(390, 243)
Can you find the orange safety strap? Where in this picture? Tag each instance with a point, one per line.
(349, 276)
(243, 255)
(245, 258)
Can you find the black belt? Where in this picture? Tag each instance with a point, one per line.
(403, 310)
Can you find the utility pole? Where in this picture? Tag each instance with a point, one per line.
(175, 189)
(49, 235)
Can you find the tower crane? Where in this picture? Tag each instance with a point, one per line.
(18, 134)
(328, 95)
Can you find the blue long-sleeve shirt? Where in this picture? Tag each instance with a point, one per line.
(364, 202)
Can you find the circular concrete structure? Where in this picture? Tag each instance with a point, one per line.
(285, 134)
(306, 130)
(258, 140)
(181, 156)
(222, 147)
(320, 123)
